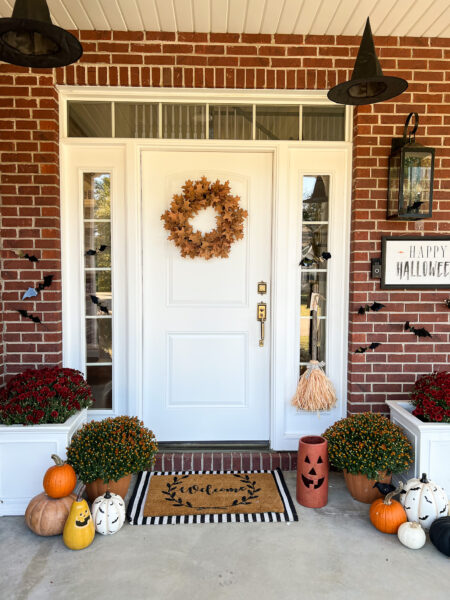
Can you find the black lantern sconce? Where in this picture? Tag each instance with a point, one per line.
(411, 169)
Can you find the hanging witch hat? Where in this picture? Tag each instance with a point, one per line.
(368, 85)
(319, 194)
(29, 38)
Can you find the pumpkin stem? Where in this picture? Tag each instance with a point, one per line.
(58, 461)
(424, 478)
(80, 492)
(388, 497)
(107, 494)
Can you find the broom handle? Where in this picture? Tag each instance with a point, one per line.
(314, 331)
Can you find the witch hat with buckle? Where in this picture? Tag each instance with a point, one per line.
(29, 38)
(368, 85)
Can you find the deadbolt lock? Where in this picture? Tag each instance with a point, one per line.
(262, 287)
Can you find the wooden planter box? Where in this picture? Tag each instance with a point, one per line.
(25, 455)
(431, 443)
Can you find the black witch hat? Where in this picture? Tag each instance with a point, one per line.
(368, 85)
(29, 38)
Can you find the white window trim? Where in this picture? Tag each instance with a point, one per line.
(284, 357)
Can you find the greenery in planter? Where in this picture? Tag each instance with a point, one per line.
(368, 443)
(111, 448)
(46, 395)
(431, 397)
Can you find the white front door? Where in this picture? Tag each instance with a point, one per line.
(206, 378)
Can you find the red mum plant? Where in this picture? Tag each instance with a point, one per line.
(431, 397)
(47, 395)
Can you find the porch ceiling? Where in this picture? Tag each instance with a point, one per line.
(418, 18)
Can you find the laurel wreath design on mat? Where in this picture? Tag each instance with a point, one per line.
(198, 195)
(172, 491)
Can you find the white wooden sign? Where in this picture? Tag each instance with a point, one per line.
(415, 262)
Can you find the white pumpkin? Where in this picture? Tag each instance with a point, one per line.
(411, 535)
(424, 501)
(108, 513)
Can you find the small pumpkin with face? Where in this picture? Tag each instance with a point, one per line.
(79, 530)
(312, 471)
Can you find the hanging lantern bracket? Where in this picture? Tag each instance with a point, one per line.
(409, 137)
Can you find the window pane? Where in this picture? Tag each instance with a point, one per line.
(305, 339)
(228, 122)
(98, 293)
(277, 122)
(308, 278)
(314, 243)
(96, 196)
(134, 120)
(89, 119)
(98, 340)
(323, 123)
(100, 380)
(315, 197)
(184, 121)
(97, 238)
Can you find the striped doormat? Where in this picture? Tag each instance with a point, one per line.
(172, 497)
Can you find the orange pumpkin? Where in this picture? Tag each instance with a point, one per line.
(387, 514)
(60, 480)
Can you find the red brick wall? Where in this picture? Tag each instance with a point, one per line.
(29, 158)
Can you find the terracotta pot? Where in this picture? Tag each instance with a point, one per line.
(98, 487)
(361, 487)
(312, 471)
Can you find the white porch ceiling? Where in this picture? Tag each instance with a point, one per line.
(417, 18)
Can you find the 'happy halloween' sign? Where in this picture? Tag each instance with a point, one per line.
(416, 262)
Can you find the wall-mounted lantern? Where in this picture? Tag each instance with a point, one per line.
(411, 168)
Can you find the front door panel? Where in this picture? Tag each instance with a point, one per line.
(206, 377)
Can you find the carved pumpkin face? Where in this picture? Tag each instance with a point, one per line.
(313, 473)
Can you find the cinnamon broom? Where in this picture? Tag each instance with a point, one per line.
(314, 391)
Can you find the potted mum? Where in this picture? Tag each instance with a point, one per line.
(425, 419)
(368, 448)
(40, 410)
(105, 453)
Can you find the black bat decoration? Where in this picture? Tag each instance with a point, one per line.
(419, 331)
(94, 252)
(414, 206)
(363, 349)
(326, 255)
(27, 315)
(447, 302)
(376, 306)
(31, 257)
(47, 282)
(384, 488)
(103, 308)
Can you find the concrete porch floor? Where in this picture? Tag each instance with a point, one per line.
(333, 552)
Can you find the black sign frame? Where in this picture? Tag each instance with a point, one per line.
(407, 285)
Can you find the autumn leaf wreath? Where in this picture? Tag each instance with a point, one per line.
(198, 195)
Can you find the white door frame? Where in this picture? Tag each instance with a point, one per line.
(285, 286)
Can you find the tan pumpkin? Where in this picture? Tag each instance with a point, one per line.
(47, 516)
(59, 480)
(387, 514)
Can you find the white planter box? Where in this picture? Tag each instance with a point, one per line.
(430, 441)
(25, 455)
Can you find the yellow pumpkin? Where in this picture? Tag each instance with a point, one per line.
(79, 530)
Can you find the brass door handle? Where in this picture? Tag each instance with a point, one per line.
(261, 316)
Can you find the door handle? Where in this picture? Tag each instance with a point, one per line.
(261, 315)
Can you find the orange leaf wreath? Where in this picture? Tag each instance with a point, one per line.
(198, 195)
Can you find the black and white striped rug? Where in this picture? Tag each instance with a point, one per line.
(135, 511)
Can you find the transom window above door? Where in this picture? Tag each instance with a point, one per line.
(238, 121)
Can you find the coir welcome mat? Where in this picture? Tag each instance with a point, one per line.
(210, 497)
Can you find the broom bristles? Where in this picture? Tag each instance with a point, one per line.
(314, 391)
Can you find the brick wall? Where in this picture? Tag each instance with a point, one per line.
(29, 158)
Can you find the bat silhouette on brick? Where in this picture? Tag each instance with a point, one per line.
(27, 315)
(376, 306)
(363, 349)
(22, 254)
(419, 331)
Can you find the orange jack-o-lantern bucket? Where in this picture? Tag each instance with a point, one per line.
(312, 471)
